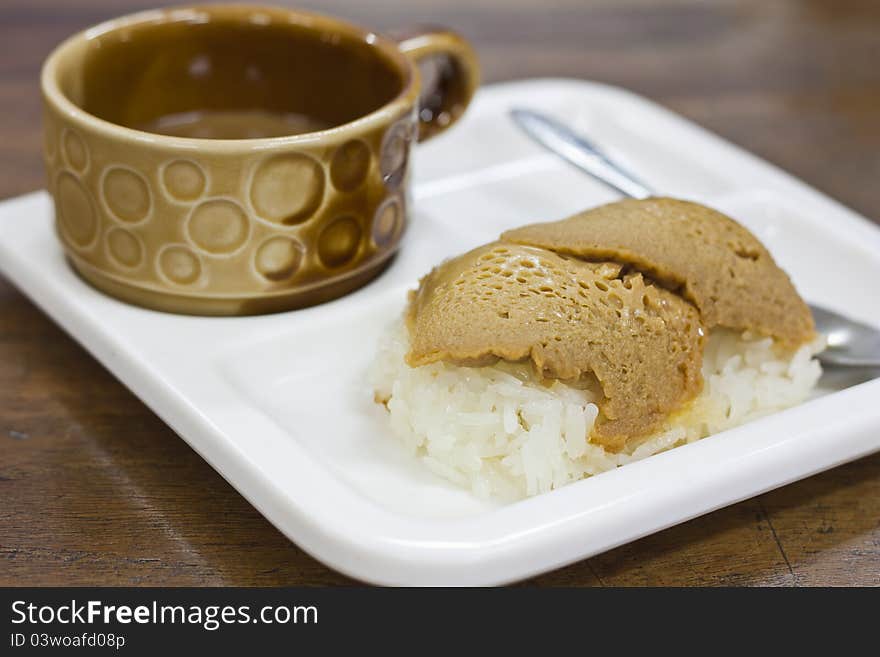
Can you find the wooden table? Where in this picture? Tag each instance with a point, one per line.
(94, 489)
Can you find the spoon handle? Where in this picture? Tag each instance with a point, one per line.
(575, 149)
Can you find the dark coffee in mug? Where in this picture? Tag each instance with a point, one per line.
(235, 159)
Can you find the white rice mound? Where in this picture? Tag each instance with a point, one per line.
(503, 434)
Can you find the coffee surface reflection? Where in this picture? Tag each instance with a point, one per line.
(233, 124)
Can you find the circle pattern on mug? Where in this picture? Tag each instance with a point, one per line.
(394, 155)
(126, 194)
(287, 189)
(218, 226)
(350, 164)
(387, 222)
(76, 210)
(339, 241)
(279, 258)
(184, 180)
(179, 265)
(75, 150)
(125, 248)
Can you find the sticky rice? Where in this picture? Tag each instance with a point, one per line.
(504, 434)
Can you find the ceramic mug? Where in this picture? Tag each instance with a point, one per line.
(230, 160)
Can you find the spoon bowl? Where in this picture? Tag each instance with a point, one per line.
(850, 343)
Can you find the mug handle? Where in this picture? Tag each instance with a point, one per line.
(449, 74)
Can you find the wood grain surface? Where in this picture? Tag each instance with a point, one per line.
(95, 489)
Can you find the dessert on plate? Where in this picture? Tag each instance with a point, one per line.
(568, 348)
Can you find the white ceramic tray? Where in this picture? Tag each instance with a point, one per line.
(279, 406)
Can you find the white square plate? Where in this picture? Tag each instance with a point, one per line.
(279, 404)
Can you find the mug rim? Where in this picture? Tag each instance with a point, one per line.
(388, 112)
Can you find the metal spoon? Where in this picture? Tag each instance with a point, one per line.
(850, 343)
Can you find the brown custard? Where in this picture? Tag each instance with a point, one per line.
(574, 320)
(617, 299)
(710, 259)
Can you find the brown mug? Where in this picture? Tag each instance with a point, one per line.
(233, 159)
